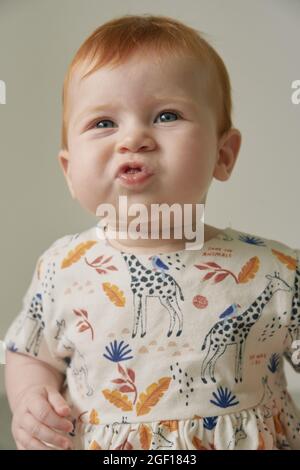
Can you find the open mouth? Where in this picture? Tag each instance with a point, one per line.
(130, 170)
(133, 173)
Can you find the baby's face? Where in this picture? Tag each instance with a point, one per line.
(146, 112)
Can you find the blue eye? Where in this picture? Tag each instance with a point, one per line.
(99, 122)
(166, 113)
(163, 113)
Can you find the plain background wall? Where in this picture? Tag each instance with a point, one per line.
(259, 42)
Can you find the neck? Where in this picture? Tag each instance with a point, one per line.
(151, 245)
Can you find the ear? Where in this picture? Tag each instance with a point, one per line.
(63, 158)
(229, 146)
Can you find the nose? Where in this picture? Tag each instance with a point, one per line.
(136, 141)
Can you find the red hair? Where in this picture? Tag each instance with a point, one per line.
(113, 42)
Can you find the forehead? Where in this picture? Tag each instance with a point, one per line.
(138, 77)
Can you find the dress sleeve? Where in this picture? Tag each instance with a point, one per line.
(292, 343)
(34, 331)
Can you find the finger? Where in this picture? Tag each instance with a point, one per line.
(45, 414)
(30, 443)
(43, 433)
(58, 402)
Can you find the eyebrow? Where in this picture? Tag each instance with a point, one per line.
(161, 99)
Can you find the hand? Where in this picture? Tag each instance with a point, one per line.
(41, 410)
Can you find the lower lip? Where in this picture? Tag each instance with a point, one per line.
(134, 179)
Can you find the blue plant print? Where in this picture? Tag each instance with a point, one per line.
(224, 398)
(12, 346)
(274, 363)
(118, 352)
(252, 240)
(210, 422)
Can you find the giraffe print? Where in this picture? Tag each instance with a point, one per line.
(34, 320)
(78, 366)
(191, 415)
(293, 330)
(266, 398)
(239, 432)
(80, 370)
(289, 422)
(146, 282)
(159, 441)
(61, 326)
(234, 331)
(294, 324)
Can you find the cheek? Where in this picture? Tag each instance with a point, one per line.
(85, 164)
(80, 171)
(85, 179)
(194, 159)
(191, 165)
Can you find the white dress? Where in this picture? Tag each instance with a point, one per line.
(182, 350)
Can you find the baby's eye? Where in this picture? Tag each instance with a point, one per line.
(98, 125)
(168, 113)
(99, 122)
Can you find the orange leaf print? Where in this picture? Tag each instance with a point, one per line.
(279, 427)
(94, 418)
(83, 324)
(112, 268)
(99, 264)
(75, 255)
(290, 262)
(125, 445)
(100, 271)
(197, 443)
(171, 425)
(249, 270)
(118, 399)
(83, 328)
(131, 374)
(126, 389)
(145, 434)
(84, 313)
(220, 277)
(114, 294)
(208, 276)
(261, 442)
(121, 370)
(95, 446)
(152, 396)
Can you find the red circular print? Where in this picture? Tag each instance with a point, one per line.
(200, 302)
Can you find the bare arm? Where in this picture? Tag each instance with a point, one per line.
(22, 372)
(39, 410)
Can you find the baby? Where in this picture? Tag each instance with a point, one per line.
(139, 343)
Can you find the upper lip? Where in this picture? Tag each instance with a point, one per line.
(133, 164)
